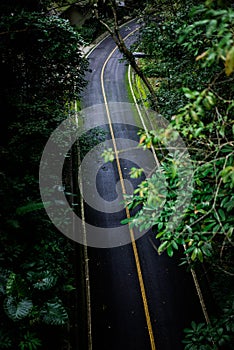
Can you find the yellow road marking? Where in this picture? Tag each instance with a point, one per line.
(136, 255)
(86, 262)
(193, 272)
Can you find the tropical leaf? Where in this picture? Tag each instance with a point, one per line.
(43, 280)
(17, 310)
(54, 313)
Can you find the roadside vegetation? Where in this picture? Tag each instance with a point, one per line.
(191, 65)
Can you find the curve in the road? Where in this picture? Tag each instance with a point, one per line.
(160, 274)
(136, 255)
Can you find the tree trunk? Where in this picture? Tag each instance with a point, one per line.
(132, 61)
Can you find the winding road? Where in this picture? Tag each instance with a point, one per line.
(138, 299)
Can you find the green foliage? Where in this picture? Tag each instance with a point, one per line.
(108, 155)
(163, 193)
(215, 29)
(91, 139)
(209, 337)
(228, 175)
(5, 340)
(135, 173)
(54, 313)
(17, 310)
(191, 65)
(59, 71)
(203, 116)
(37, 309)
(30, 342)
(90, 30)
(28, 208)
(43, 280)
(42, 71)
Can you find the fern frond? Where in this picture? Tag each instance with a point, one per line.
(10, 283)
(16, 286)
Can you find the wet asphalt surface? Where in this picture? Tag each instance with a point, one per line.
(118, 318)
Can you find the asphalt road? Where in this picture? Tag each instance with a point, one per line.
(118, 314)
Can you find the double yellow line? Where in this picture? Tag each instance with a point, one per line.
(135, 251)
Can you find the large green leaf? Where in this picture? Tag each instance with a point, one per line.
(54, 313)
(17, 310)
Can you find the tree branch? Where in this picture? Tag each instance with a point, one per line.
(15, 31)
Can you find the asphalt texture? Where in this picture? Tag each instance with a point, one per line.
(118, 317)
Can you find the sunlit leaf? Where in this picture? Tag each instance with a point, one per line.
(229, 62)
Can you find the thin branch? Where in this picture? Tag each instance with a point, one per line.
(224, 271)
(106, 26)
(15, 31)
(215, 78)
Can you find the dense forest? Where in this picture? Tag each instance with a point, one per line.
(42, 71)
(190, 66)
